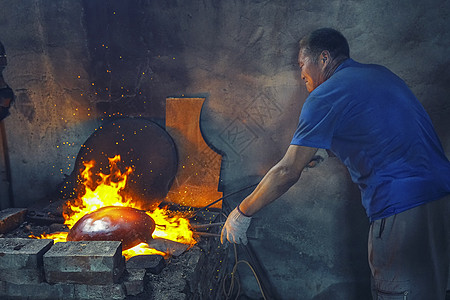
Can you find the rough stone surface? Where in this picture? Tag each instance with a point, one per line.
(21, 259)
(134, 281)
(61, 291)
(86, 262)
(35, 291)
(173, 281)
(152, 263)
(171, 247)
(98, 292)
(52, 113)
(11, 218)
(206, 283)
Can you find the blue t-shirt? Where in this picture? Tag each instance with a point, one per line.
(371, 120)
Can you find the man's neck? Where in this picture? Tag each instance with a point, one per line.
(333, 65)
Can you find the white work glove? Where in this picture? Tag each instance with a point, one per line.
(235, 228)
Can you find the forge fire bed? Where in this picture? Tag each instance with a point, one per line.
(195, 274)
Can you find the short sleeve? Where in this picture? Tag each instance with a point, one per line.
(316, 125)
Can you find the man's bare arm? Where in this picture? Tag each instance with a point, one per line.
(278, 179)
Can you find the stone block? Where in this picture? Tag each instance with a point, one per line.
(153, 263)
(63, 291)
(84, 262)
(168, 246)
(11, 218)
(134, 281)
(99, 292)
(21, 259)
(36, 291)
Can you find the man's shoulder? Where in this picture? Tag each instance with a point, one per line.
(351, 66)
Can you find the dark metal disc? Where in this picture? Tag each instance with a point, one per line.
(142, 145)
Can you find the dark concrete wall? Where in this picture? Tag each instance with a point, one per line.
(76, 64)
(47, 68)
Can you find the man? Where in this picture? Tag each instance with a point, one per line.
(372, 122)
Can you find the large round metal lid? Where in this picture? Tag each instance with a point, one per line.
(142, 145)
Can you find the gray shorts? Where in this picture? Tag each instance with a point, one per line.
(409, 253)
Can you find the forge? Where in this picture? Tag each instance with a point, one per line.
(141, 198)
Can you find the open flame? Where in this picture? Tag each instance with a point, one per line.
(105, 190)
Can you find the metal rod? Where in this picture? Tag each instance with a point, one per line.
(207, 225)
(206, 234)
(220, 199)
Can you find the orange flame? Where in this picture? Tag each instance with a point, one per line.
(106, 191)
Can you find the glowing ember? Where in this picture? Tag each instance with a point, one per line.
(141, 249)
(106, 191)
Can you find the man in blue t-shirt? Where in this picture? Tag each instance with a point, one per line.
(373, 123)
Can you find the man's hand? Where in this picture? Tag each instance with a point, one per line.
(235, 228)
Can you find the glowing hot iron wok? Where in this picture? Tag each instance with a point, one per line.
(114, 223)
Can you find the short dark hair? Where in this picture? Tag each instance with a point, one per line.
(325, 39)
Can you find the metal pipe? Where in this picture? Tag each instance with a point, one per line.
(206, 234)
(220, 199)
(207, 225)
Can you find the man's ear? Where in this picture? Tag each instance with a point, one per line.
(325, 58)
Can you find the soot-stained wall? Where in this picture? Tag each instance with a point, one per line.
(77, 64)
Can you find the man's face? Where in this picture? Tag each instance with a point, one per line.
(311, 73)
